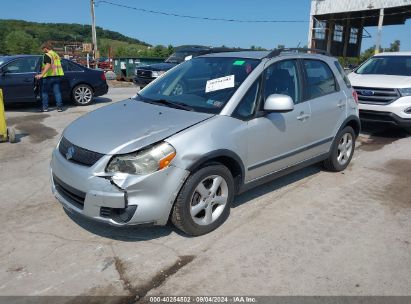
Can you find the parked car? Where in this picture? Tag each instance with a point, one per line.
(105, 64)
(78, 84)
(146, 74)
(383, 85)
(212, 127)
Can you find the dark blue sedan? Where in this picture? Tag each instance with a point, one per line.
(79, 84)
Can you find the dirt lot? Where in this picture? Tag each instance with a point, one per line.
(310, 233)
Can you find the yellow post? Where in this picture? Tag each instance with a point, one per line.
(3, 126)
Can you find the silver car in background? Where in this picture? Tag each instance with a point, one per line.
(208, 129)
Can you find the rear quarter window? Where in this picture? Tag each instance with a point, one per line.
(343, 74)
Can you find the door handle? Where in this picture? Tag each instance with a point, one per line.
(28, 80)
(303, 116)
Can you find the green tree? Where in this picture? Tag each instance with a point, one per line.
(19, 42)
(367, 54)
(121, 51)
(158, 51)
(170, 50)
(394, 47)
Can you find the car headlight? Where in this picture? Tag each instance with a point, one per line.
(144, 161)
(157, 73)
(405, 91)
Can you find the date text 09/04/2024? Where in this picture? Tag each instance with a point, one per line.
(205, 299)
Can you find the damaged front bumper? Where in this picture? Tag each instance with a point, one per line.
(119, 199)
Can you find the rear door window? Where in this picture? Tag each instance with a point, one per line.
(74, 67)
(343, 74)
(69, 66)
(320, 79)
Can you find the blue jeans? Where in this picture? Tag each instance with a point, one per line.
(49, 83)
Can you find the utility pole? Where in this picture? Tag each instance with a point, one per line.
(379, 33)
(93, 30)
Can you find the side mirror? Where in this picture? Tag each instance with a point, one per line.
(279, 103)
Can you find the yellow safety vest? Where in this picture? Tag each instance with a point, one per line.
(56, 69)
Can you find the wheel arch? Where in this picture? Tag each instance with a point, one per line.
(227, 158)
(352, 121)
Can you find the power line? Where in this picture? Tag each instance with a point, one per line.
(239, 20)
(198, 17)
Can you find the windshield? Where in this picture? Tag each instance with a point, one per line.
(387, 65)
(203, 84)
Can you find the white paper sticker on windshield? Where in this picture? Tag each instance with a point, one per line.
(220, 84)
(188, 58)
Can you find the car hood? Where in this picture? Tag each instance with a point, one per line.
(129, 125)
(379, 81)
(165, 66)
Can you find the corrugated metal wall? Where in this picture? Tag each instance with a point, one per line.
(320, 7)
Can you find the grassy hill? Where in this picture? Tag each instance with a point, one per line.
(23, 37)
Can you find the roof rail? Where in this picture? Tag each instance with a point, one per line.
(277, 52)
(227, 49)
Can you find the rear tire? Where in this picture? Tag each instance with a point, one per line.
(204, 201)
(342, 150)
(82, 95)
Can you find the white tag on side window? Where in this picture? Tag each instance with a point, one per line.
(220, 84)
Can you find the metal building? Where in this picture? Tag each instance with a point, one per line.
(338, 25)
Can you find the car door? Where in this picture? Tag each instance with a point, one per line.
(279, 140)
(328, 103)
(69, 75)
(17, 79)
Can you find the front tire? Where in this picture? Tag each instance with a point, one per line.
(82, 95)
(204, 201)
(342, 150)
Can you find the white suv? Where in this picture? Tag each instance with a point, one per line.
(383, 85)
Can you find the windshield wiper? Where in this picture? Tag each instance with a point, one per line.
(176, 105)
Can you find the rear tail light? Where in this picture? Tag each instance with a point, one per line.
(355, 96)
(103, 76)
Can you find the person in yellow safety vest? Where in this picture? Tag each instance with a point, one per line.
(50, 76)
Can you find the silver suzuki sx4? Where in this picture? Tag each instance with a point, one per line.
(208, 129)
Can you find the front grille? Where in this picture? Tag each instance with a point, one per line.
(77, 154)
(72, 195)
(378, 96)
(144, 73)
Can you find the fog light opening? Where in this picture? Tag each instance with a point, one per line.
(127, 213)
(119, 215)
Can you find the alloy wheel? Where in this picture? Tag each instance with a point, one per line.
(208, 200)
(83, 95)
(345, 149)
